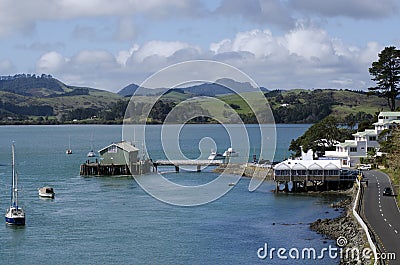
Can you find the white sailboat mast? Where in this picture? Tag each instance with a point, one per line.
(14, 179)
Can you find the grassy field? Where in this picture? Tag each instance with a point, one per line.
(394, 176)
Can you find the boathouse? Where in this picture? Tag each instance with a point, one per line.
(119, 154)
(321, 174)
(117, 159)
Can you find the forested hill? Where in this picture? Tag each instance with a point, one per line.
(311, 106)
(27, 99)
(38, 86)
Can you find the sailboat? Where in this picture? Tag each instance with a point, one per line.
(15, 215)
(91, 153)
(69, 150)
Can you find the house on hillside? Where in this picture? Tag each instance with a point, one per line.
(350, 151)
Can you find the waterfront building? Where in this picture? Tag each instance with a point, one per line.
(350, 151)
(119, 154)
(315, 174)
(117, 159)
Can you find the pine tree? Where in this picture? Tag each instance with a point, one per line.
(386, 74)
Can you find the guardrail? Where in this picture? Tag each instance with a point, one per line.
(362, 223)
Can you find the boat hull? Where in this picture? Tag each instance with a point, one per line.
(46, 192)
(15, 220)
(46, 195)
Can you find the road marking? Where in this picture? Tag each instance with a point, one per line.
(382, 214)
(390, 225)
(395, 231)
(380, 209)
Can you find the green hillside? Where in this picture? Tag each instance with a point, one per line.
(310, 106)
(29, 99)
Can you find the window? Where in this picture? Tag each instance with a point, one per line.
(112, 149)
(370, 149)
(353, 149)
(372, 138)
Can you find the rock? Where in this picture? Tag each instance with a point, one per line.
(343, 226)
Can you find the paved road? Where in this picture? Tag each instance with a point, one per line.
(382, 213)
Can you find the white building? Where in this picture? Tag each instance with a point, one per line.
(350, 151)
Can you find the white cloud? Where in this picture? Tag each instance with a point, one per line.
(260, 43)
(123, 56)
(50, 62)
(159, 48)
(302, 58)
(310, 43)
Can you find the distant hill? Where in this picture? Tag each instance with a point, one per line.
(219, 87)
(128, 91)
(26, 95)
(31, 85)
(28, 98)
(131, 89)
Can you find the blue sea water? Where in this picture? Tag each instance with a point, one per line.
(111, 220)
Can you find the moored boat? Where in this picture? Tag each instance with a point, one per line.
(91, 154)
(69, 150)
(215, 156)
(230, 153)
(15, 215)
(46, 192)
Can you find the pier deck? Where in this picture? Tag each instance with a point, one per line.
(97, 169)
(178, 163)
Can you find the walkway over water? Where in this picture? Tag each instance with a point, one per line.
(178, 163)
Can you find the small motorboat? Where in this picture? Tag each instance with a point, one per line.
(46, 192)
(230, 153)
(68, 152)
(215, 156)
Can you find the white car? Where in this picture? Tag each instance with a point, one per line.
(365, 167)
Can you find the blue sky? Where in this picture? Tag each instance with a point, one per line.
(278, 43)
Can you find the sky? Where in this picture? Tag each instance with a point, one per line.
(280, 44)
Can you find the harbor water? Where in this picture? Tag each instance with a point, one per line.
(111, 220)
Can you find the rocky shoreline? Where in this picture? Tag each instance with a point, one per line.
(344, 226)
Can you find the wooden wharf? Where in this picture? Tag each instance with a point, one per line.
(178, 163)
(97, 169)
